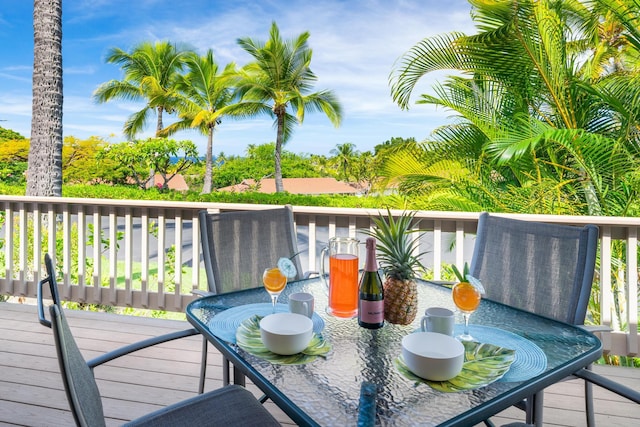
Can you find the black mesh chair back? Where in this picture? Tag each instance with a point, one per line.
(543, 268)
(80, 385)
(227, 406)
(238, 246)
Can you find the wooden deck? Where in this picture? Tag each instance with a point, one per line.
(32, 394)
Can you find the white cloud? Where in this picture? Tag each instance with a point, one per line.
(355, 44)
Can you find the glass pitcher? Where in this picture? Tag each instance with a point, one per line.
(343, 275)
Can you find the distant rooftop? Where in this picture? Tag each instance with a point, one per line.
(312, 186)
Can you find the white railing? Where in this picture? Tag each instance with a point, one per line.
(144, 252)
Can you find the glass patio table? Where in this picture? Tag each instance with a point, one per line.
(327, 391)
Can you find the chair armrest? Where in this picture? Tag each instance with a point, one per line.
(595, 328)
(610, 385)
(40, 299)
(201, 293)
(308, 274)
(444, 283)
(122, 351)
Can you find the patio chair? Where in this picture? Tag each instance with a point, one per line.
(543, 268)
(230, 405)
(236, 248)
(55, 297)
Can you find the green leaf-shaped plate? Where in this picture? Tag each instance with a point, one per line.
(484, 364)
(248, 338)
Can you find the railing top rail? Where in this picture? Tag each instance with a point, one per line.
(454, 216)
(311, 210)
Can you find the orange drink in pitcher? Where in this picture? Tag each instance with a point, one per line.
(343, 276)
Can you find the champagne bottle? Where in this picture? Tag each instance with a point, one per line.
(371, 297)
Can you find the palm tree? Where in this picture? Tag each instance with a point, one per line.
(44, 174)
(344, 155)
(278, 83)
(201, 94)
(150, 73)
(534, 132)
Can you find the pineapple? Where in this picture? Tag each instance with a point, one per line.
(396, 249)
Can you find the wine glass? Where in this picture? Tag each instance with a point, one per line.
(274, 282)
(467, 298)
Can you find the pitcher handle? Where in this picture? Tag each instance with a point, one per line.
(323, 273)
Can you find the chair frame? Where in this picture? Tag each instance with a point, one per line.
(214, 287)
(114, 354)
(227, 395)
(583, 279)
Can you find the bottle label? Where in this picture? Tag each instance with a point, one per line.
(371, 311)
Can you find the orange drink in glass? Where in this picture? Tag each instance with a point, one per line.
(274, 282)
(467, 298)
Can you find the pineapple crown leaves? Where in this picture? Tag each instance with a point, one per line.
(397, 244)
(462, 277)
(466, 277)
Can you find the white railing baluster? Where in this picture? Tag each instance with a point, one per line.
(632, 290)
(195, 251)
(460, 245)
(37, 248)
(66, 252)
(22, 256)
(161, 259)
(52, 231)
(113, 256)
(144, 261)
(437, 249)
(352, 226)
(312, 243)
(97, 256)
(8, 246)
(128, 258)
(605, 284)
(82, 255)
(332, 227)
(177, 265)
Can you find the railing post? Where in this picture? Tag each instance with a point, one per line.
(144, 261)
(113, 256)
(437, 249)
(128, 258)
(97, 256)
(632, 290)
(82, 256)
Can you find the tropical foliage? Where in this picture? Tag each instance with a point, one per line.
(165, 157)
(201, 94)
(546, 120)
(150, 74)
(278, 83)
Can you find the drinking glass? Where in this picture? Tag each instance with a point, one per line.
(467, 298)
(274, 282)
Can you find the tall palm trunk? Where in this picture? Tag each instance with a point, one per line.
(152, 172)
(159, 125)
(44, 174)
(277, 154)
(208, 167)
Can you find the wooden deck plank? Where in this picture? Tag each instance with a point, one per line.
(32, 394)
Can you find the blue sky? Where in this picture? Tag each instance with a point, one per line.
(354, 42)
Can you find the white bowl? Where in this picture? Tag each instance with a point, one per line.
(286, 333)
(433, 356)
